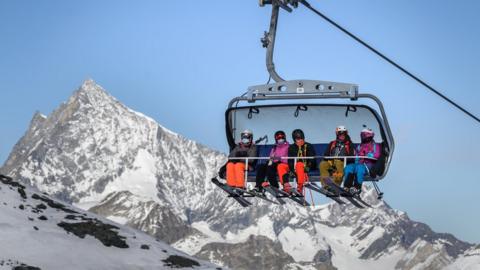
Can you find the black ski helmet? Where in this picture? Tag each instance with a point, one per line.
(298, 134)
(279, 134)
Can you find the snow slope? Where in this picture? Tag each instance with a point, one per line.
(40, 232)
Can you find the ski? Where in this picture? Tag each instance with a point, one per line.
(259, 195)
(298, 198)
(342, 192)
(358, 198)
(242, 201)
(314, 187)
(275, 194)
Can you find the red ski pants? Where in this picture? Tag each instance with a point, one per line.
(301, 176)
(236, 174)
(282, 169)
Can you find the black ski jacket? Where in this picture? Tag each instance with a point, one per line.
(306, 150)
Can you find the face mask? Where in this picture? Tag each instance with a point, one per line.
(367, 139)
(280, 141)
(245, 141)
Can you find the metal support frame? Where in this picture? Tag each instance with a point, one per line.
(377, 189)
(302, 89)
(308, 89)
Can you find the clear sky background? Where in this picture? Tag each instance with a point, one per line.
(181, 62)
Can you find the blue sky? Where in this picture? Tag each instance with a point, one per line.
(182, 63)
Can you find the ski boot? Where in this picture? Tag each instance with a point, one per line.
(259, 190)
(287, 188)
(300, 190)
(354, 191)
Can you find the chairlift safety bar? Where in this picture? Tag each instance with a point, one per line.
(309, 157)
(295, 160)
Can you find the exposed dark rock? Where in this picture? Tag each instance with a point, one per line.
(160, 221)
(9, 181)
(145, 247)
(53, 204)
(365, 234)
(41, 206)
(103, 232)
(25, 267)
(42, 218)
(36, 211)
(22, 193)
(406, 232)
(36, 228)
(21, 207)
(258, 252)
(323, 256)
(176, 261)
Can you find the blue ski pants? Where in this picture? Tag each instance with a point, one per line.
(360, 170)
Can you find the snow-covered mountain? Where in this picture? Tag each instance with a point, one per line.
(42, 233)
(100, 155)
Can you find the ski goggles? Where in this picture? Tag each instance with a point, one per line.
(298, 137)
(246, 136)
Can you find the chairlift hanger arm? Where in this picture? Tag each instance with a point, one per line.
(268, 41)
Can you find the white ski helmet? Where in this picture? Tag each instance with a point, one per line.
(341, 129)
(246, 134)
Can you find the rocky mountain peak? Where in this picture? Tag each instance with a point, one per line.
(91, 94)
(37, 121)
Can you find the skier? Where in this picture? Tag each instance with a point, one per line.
(275, 165)
(303, 165)
(236, 168)
(355, 172)
(341, 146)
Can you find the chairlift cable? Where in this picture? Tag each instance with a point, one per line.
(307, 5)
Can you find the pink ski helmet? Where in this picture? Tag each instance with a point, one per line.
(367, 134)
